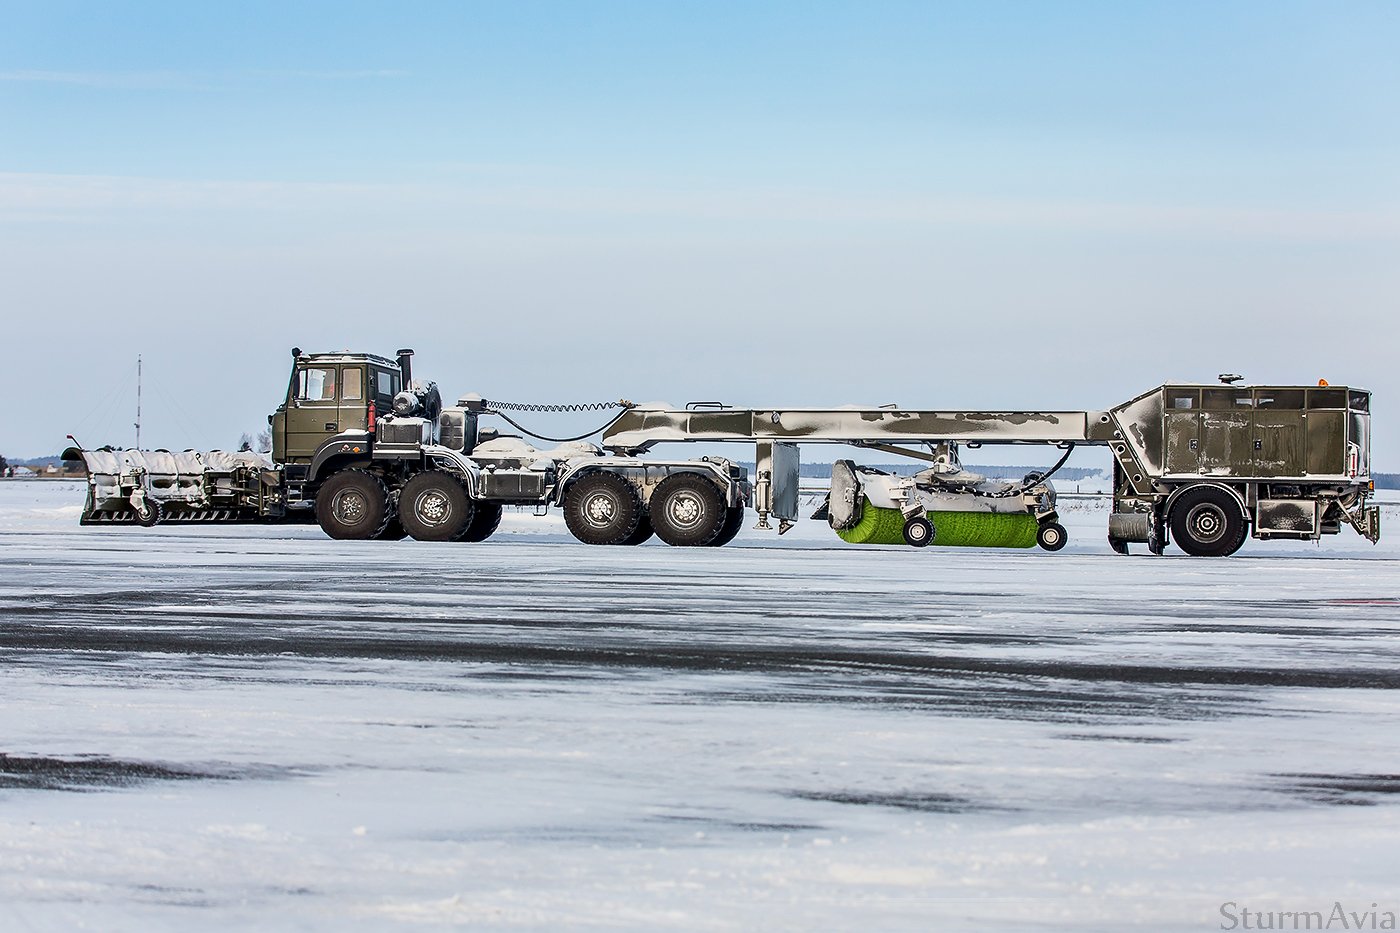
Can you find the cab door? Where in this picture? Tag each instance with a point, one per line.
(314, 413)
(354, 403)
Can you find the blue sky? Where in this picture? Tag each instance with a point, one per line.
(943, 204)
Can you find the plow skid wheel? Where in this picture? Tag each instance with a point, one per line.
(846, 505)
(148, 512)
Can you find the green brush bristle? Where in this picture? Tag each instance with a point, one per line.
(951, 529)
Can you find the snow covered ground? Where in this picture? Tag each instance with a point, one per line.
(223, 727)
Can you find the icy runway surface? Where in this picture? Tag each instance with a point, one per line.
(222, 727)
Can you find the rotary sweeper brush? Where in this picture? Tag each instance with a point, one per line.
(365, 451)
(943, 505)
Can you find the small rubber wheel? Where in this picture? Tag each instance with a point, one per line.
(353, 506)
(1207, 521)
(643, 533)
(1119, 546)
(602, 508)
(1051, 536)
(152, 513)
(733, 524)
(484, 523)
(434, 506)
(918, 532)
(687, 510)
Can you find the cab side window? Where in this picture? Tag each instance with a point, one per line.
(351, 384)
(388, 384)
(316, 385)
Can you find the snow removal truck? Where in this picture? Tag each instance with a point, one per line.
(362, 449)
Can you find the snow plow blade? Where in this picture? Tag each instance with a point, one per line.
(143, 487)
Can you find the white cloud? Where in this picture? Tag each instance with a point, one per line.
(162, 80)
(83, 198)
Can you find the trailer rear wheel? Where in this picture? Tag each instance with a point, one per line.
(1207, 522)
(484, 523)
(687, 510)
(352, 506)
(434, 506)
(1051, 536)
(602, 508)
(733, 524)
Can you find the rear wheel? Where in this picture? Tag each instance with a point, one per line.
(602, 508)
(353, 506)
(1051, 536)
(687, 510)
(484, 523)
(643, 533)
(434, 506)
(1207, 522)
(393, 531)
(733, 523)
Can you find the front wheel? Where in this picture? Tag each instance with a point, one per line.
(1207, 521)
(434, 506)
(687, 510)
(353, 506)
(1051, 536)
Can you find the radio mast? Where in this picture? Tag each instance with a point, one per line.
(138, 401)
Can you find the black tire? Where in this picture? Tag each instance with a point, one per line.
(1051, 536)
(1207, 521)
(643, 533)
(353, 506)
(434, 506)
(1119, 546)
(484, 523)
(733, 524)
(393, 531)
(918, 532)
(602, 508)
(687, 510)
(153, 512)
